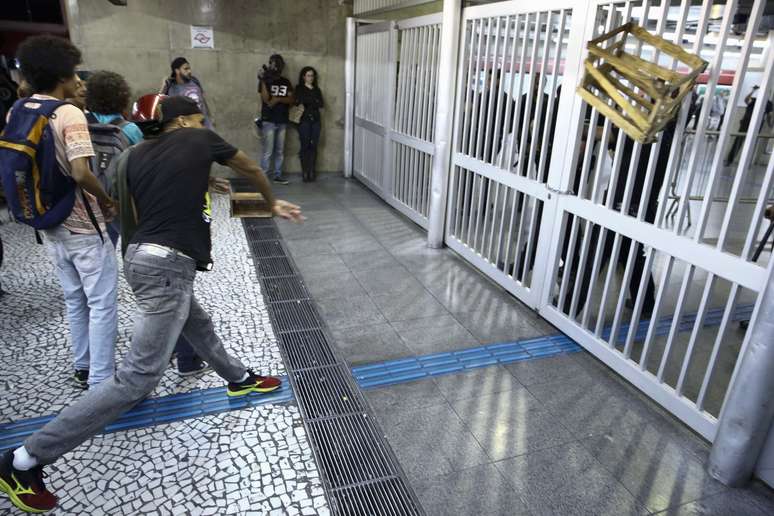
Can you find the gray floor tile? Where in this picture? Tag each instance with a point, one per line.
(476, 382)
(374, 343)
(480, 491)
(368, 260)
(333, 284)
(417, 248)
(431, 441)
(404, 396)
(312, 247)
(315, 264)
(592, 405)
(511, 423)
(455, 286)
(566, 480)
(411, 303)
(347, 312)
(434, 334)
(658, 469)
(386, 280)
(757, 500)
(396, 236)
(425, 264)
(355, 243)
(549, 369)
(495, 326)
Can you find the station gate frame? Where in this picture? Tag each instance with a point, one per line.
(545, 196)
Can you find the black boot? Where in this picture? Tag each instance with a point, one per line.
(304, 167)
(312, 166)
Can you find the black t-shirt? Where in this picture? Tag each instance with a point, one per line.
(277, 87)
(168, 179)
(312, 100)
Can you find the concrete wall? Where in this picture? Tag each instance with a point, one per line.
(140, 40)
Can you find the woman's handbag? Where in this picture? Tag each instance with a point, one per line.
(295, 113)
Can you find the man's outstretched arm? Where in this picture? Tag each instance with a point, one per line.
(243, 165)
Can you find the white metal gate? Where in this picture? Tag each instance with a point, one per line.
(643, 254)
(374, 73)
(510, 102)
(559, 207)
(394, 111)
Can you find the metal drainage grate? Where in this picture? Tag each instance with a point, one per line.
(267, 249)
(350, 450)
(285, 288)
(274, 267)
(260, 233)
(327, 393)
(385, 497)
(294, 315)
(306, 349)
(359, 471)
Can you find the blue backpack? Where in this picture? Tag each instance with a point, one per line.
(37, 192)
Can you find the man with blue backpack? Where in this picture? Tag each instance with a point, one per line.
(44, 169)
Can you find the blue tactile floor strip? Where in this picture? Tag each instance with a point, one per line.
(157, 411)
(178, 407)
(712, 318)
(408, 369)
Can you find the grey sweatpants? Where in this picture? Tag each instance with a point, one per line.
(162, 282)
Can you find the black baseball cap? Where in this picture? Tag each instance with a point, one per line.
(173, 107)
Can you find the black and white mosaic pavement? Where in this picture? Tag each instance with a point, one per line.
(250, 462)
(35, 357)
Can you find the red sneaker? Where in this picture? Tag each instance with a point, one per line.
(254, 383)
(25, 488)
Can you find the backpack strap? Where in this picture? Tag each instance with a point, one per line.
(119, 122)
(92, 218)
(91, 118)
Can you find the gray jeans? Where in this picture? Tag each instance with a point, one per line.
(162, 282)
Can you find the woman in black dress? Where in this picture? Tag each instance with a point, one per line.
(309, 95)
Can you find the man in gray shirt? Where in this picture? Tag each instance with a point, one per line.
(181, 82)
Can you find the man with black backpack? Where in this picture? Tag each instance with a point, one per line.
(44, 165)
(107, 97)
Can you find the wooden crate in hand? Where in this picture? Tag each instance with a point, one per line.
(249, 204)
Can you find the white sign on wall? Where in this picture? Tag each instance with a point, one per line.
(202, 37)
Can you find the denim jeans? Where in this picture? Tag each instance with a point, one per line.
(273, 145)
(308, 135)
(88, 273)
(162, 281)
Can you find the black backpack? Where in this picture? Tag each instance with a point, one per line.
(109, 141)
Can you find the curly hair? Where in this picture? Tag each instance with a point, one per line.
(107, 93)
(46, 60)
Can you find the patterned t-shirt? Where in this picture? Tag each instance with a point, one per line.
(72, 141)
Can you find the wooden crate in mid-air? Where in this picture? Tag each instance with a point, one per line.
(637, 95)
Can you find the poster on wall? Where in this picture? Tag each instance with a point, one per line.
(202, 37)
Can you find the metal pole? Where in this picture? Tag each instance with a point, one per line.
(349, 88)
(444, 120)
(749, 408)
